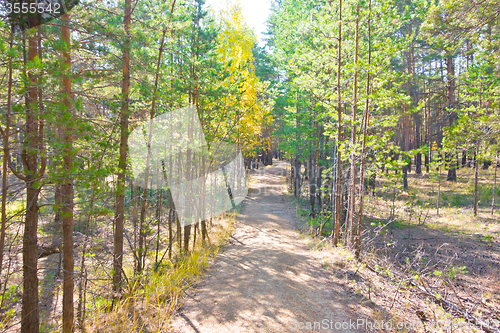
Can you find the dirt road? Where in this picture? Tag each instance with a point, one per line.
(266, 280)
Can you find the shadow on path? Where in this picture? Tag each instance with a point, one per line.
(266, 280)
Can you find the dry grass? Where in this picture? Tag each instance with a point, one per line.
(454, 254)
(151, 299)
(148, 299)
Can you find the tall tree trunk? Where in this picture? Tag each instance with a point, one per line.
(82, 285)
(58, 203)
(319, 169)
(31, 147)
(297, 177)
(171, 214)
(405, 176)
(158, 221)
(334, 187)
(418, 160)
(365, 122)
(187, 235)
(494, 185)
(142, 222)
(476, 172)
(450, 68)
(312, 182)
(67, 187)
(352, 187)
(204, 234)
(195, 233)
(189, 195)
(426, 129)
(416, 115)
(136, 192)
(439, 191)
(142, 225)
(30, 316)
(122, 162)
(405, 146)
(6, 154)
(336, 228)
(170, 222)
(298, 166)
(179, 232)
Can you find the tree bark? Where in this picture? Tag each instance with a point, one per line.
(122, 162)
(170, 221)
(179, 232)
(439, 191)
(297, 177)
(494, 185)
(476, 169)
(187, 235)
(32, 143)
(6, 154)
(67, 188)
(312, 182)
(319, 169)
(158, 222)
(336, 228)
(135, 206)
(365, 122)
(450, 68)
(352, 187)
(82, 285)
(426, 130)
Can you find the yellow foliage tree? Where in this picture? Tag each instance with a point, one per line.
(247, 112)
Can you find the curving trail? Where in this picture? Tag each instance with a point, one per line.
(266, 280)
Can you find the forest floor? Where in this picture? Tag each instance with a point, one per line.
(273, 277)
(268, 279)
(453, 255)
(418, 263)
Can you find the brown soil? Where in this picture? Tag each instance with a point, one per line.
(267, 279)
(433, 252)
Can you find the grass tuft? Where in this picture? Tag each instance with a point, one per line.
(151, 299)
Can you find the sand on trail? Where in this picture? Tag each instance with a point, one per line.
(266, 279)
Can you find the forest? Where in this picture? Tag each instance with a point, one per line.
(382, 117)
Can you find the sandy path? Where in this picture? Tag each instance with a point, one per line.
(266, 280)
